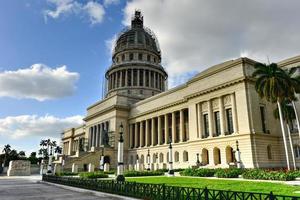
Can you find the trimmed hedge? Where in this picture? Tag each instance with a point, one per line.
(228, 173)
(269, 175)
(66, 174)
(201, 172)
(143, 173)
(93, 175)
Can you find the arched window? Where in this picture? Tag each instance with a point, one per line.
(229, 154)
(185, 156)
(131, 56)
(217, 156)
(269, 151)
(140, 56)
(297, 151)
(204, 157)
(161, 157)
(123, 57)
(176, 156)
(148, 57)
(142, 160)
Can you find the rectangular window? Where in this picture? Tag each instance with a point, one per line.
(217, 123)
(263, 118)
(206, 125)
(229, 120)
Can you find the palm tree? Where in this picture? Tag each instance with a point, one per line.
(288, 115)
(294, 89)
(6, 151)
(273, 85)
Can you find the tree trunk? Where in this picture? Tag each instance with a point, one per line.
(291, 146)
(284, 136)
(297, 118)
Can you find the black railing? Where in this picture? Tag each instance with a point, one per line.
(161, 191)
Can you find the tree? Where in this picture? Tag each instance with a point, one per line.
(22, 153)
(6, 151)
(273, 84)
(288, 115)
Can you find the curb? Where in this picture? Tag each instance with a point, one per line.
(96, 193)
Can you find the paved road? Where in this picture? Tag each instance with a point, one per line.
(31, 189)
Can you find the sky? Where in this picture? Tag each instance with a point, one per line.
(54, 53)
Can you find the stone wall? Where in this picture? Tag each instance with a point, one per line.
(19, 168)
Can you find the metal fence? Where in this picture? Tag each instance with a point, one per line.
(161, 191)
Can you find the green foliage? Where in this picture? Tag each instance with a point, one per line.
(92, 175)
(143, 173)
(201, 172)
(110, 172)
(269, 175)
(66, 174)
(228, 173)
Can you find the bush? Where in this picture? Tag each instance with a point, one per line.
(67, 174)
(202, 172)
(93, 175)
(143, 173)
(228, 173)
(110, 172)
(269, 175)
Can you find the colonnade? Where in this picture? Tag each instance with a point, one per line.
(217, 117)
(136, 77)
(158, 130)
(97, 134)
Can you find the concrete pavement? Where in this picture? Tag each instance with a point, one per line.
(31, 188)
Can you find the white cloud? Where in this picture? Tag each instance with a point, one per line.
(38, 82)
(110, 44)
(196, 34)
(18, 127)
(92, 9)
(111, 2)
(95, 12)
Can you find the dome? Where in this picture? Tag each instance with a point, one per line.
(137, 37)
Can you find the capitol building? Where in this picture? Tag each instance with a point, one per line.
(207, 119)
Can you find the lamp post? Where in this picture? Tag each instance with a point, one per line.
(148, 160)
(120, 176)
(102, 159)
(198, 161)
(171, 171)
(238, 155)
(49, 169)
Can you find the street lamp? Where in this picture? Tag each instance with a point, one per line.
(148, 160)
(198, 161)
(238, 155)
(49, 170)
(120, 176)
(171, 171)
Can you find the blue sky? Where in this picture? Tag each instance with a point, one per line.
(54, 53)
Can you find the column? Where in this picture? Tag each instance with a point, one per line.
(222, 121)
(166, 129)
(130, 136)
(210, 118)
(121, 78)
(173, 127)
(200, 118)
(149, 74)
(141, 134)
(101, 133)
(159, 130)
(147, 132)
(154, 77)
(97, 136)
(181, 126)
(138, 77)
(234, 113)
(126, 77)
(90, 136)
(131, 77)
(136, 135)
(153, 131)
(144, 79)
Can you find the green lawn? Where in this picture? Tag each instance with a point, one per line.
(234, 185)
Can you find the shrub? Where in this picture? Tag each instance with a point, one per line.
(110, 172)
(202, 172)
(228, 173)
(67, 174)
(93, 175)
(268, 175)
(143, 173)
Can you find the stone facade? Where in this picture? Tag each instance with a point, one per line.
(19, 168)
(209, 115)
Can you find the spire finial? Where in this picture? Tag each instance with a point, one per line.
(137, 20)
